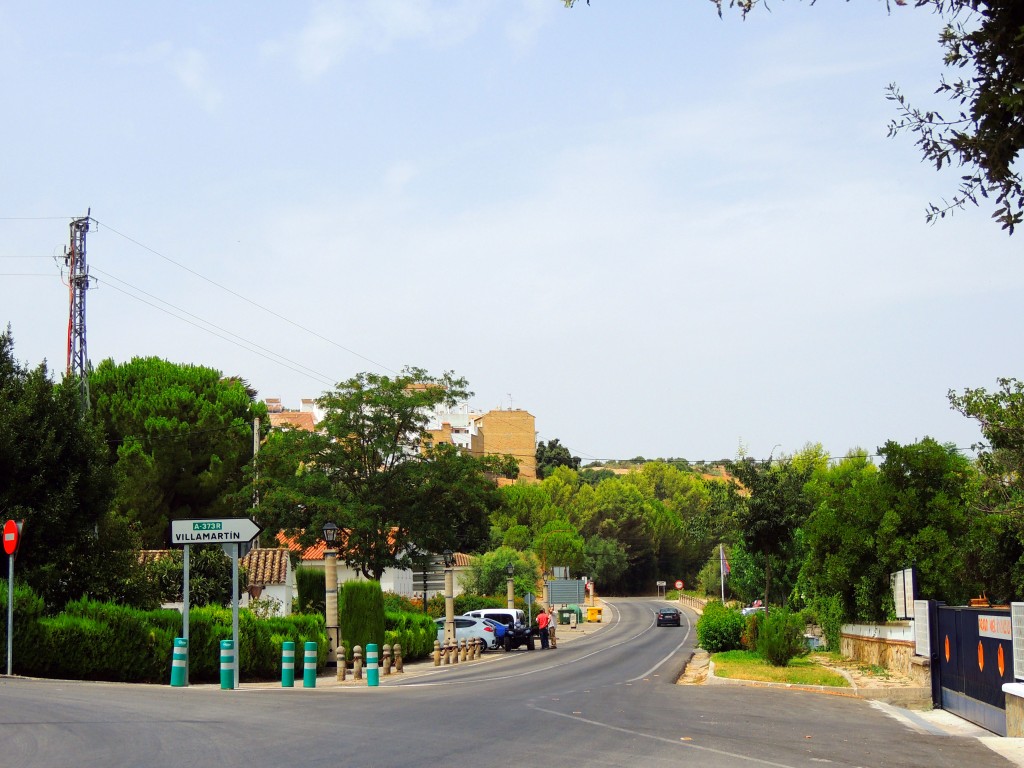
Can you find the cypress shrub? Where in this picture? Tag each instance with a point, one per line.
(720, 628)
(76, 648)
(311, 590)
(361, 614)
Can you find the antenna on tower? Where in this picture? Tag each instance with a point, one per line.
(78, 284)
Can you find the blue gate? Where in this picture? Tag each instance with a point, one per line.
(972, 656)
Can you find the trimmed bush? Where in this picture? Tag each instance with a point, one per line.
(781, 637)
(415, 632)
(720, 628)
(28, 634)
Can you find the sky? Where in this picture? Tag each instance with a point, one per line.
(662, 233)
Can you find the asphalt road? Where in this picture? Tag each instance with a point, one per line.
(604, 700)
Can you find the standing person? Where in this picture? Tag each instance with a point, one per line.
(551, 627)
(542, 625)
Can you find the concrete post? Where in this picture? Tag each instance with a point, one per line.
(340, 661)
(449, 605)
(510, 588)
(437, 653)
(331, 603)
(398, 658)
(357, 663)
(386, 661)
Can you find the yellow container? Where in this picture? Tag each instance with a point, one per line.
(594, 613)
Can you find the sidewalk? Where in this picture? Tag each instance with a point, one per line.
(328, 678)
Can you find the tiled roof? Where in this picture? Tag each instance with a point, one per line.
(296, 419)
(462, 560)
(148, 556)
(266, 566)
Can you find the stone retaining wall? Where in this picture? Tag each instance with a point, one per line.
(890, 646)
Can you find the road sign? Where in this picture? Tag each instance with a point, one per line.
(679, 585)
(529, 598)
(661, 583)
(11, 536)
(229, 530)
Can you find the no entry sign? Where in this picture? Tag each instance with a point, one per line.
(11, 537)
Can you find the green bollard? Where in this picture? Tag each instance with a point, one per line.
(179, 662)
(227, 665)
(309, 666)
(287, 664)
(372, 670)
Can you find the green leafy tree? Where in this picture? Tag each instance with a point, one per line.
(607, 560)
(554, 454)
(179, 437)
(209, 579)
(487, 575)
(559, 544)
(776, 508)
(56, 478)
(841, 557)
(369, 469)
(927, 490)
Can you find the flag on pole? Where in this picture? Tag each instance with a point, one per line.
(726, 570)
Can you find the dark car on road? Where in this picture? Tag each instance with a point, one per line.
(669, 617)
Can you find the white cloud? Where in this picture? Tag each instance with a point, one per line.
(337, 29)
(191, 68)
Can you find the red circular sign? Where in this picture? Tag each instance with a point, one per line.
(10, 537)
(679, 585)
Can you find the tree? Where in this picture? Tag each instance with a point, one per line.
(56, 478)
(982, 38)
(553, 455)
(776, 508)
(369, 470)
(996, 549)
(928, 490)
(179, 437)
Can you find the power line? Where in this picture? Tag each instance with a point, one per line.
(311, 373)
(246, 299)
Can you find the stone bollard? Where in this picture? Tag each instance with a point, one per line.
(455, 652)
(479, 648)
(386, 667)
(446, 655)
(357, 663)
(339, 655)
(437, 653)
(463, 649)
(397, 651)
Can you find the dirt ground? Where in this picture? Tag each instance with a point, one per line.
(861, 675)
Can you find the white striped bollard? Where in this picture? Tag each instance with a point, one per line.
(309, 666)
(179, 662)
(287, 664)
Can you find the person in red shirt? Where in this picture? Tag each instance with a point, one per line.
(542, 625)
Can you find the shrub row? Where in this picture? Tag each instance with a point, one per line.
(93, 640)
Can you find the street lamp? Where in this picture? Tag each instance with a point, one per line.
(510, 571)
(330, 533)
(449, 597)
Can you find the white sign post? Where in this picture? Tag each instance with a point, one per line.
(230, 531)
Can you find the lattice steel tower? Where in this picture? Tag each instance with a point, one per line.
(78, 284)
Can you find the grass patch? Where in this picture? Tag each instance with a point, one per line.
(746, 665)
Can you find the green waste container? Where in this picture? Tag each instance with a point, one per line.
(565, 614)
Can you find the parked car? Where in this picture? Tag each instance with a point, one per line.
(669, 617)
(470, 628)
(517, 632)
(754, 607)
